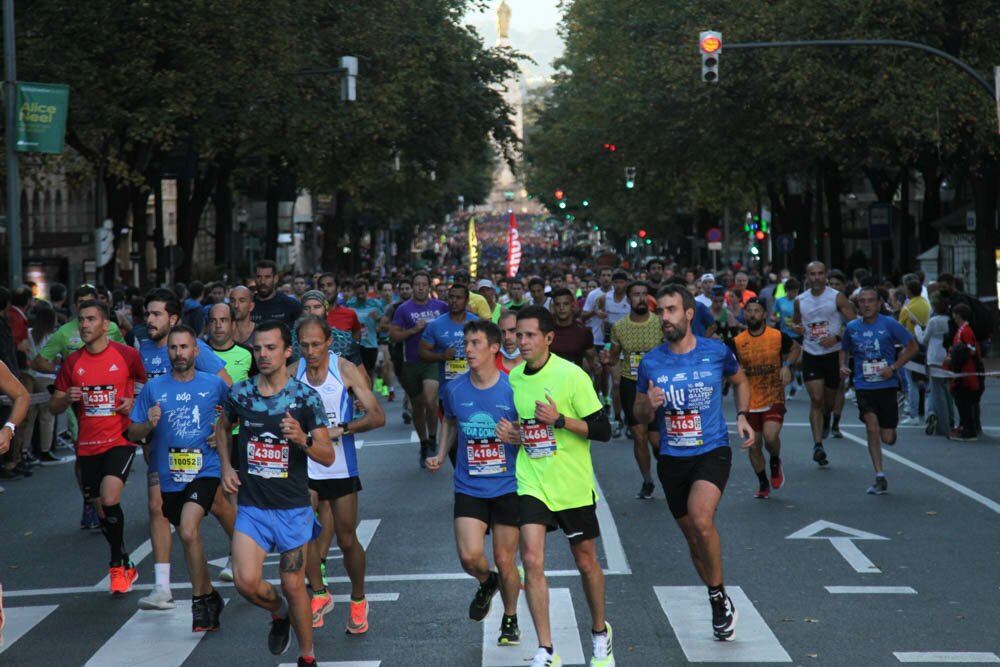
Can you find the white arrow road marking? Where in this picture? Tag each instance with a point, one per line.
(870, 590)
(20, 620)
(844, 545)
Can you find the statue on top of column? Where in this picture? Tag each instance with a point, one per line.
(503, 20)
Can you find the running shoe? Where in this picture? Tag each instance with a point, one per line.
(322, 604)
(777, 475)
(616, 430)
(880, 487)
(957, 436)
(423, 453)
(819, 455)
(48, 457)
(480, 605)
(357, 622)
(835, 431)
(545, 659)
(306, 661)
(227, 571)
(723, 618)
(392, 393)
(158, 598)
(200, 619)
(9, 473)
(377, 388)
(911, 421)
(407, 419)
(827, 417)
(628, 433)
(603, 655)
(763, 492)
(122, 578)
(90, 519)
(280, 635)
(215, 605)
(646, 491)
(931, 427)
(510, 634)
(849, 395)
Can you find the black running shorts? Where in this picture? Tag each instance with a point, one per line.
(679, 473)
(824, 367)
(331, 489)
(627, 390)
(579, 523)
(882, 403)
(200, 491)
(501, 510)
(116, 462)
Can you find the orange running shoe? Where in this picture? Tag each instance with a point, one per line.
(122, 578)
(321, 606)
(358, 622)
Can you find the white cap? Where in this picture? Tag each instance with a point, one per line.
(485, 283)
(707, 276)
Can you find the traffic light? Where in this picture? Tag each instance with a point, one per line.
(629, 177)
(760, 235)
(642, 233)
(633, 244)
(649, 241)
(585, 203)
(710, 43)
(610, 148)
(559, 193)
(562, 204)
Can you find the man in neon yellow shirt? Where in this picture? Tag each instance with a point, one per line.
(559, 414)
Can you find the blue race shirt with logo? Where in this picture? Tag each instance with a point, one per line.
(179, 450)
(484, 466)
(156, 361)
(691, 420)
(444, 333)
(873, 347)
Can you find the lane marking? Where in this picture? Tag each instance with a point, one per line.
(152, 638)
(565, 634)
(383, 443)
(870, 590)
(944, 656)
(18, 621)
(352, 663)
(612, 541)
(414, 437)
(964, 490)
(690, 615)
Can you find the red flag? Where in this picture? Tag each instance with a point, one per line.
(513, 248)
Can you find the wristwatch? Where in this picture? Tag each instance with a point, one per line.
(309, 441)
(12, 426)
(560, 422)
(345, 428)
(743, 413)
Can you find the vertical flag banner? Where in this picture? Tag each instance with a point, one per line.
(513, 248)
(41, 117)
(473, 249)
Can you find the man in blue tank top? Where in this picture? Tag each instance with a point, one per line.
(680, 385)
(485, 479)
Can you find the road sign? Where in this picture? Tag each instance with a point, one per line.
(713, 235)
(715, 245)
(105, 239)
(785, 242)
(880, 222)
(842, 542)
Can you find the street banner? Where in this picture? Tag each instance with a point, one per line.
(473, 249)
(996, 89)
(41, 117)
(513, 248)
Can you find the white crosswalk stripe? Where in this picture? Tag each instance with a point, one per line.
(565, 634)
(690, 614)
(152, 639)
(20, 621)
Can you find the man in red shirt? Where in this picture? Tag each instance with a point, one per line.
(99, 381)
(341, 317)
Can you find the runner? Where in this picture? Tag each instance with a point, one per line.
(485, 479)
(387, 370)
(872, 341)
(441, 345)
(99, 381)
(509, 356)
(405, 291)
(571, 340)
(282, 425)
(558, 415)
(419, 378)
(187, 467)
(368, 311)
(631, 338)
(680, 385)
(163, 311)
(617, 306)
(334, 488)
(784, 309)
(767, 357)
(21, 402)
(817, 318)
(241, 299)
(594, 316)
(270, 303)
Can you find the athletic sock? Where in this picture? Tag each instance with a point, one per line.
(547, 648)
(647, 477)
(880, 474)
(836, 421)
(319, 591)
(359, 599)
(819, 444)
(762, 478)
(162, 573)
(775, 460)
(113, 527)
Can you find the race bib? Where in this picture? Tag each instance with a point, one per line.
(184, 464)
(455, 367)
(633, 362)
(683, 428)
(818, 330)
(871, 369)
(99, 400)
(267, 457)
(538, 439)
(487, 456)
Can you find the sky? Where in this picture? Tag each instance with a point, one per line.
(532, 31)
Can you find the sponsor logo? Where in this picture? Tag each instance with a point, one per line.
(203, 394)
(114, 367)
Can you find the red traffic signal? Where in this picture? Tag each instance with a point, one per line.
(760, 235)
(610, 147)
(560, 194)
(711, 42)
(642, 233)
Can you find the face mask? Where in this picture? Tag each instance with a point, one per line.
(508, 356)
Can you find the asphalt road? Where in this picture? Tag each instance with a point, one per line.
(821, 573)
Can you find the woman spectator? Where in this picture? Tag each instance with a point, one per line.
(967, 388)
(940, 407)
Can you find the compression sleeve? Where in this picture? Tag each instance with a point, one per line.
(598, 426)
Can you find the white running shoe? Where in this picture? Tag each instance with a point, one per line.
(544, 659)
(227, 571)
(159, 598)
(911, 421)
(603, 654)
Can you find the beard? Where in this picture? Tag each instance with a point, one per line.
(182, 365)
(675, 333)
(755, 326)
(641, 309)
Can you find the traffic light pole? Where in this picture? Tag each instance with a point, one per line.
(897, 43)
